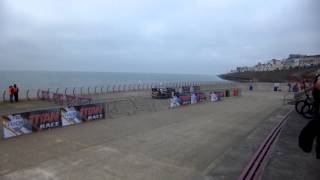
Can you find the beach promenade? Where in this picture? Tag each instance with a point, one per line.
(203, 141)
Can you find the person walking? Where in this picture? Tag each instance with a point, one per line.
(11, 93)
(16, 93)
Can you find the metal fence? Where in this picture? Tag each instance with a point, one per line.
(33, 94)
(87, 91)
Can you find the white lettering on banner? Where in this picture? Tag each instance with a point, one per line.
(49, 125)
(94, 117)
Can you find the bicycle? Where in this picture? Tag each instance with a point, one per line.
(308, 111)
(299, 105)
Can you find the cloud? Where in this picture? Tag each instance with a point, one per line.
(191, 36)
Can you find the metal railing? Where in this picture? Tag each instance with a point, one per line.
(34, 94)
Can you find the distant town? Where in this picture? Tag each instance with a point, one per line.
(294, 61)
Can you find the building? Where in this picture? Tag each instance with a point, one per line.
(307, 61)
(259, 67)
(242, 69)
(292, 61)
(274, 64)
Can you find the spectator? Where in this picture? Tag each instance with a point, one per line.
(11, 93)
(289, 87)
(302, 84)
(250, 87)
(276, 86)
(16, 93)
(295, 88)
(316, 94)
(309, 134)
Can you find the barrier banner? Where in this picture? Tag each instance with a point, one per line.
(25, 123)
(201, 97)
(78, 114)
(185, 99)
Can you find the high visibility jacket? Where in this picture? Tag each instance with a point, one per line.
(10, 91)
(15, 89)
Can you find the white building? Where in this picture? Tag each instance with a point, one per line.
(309, 61)
(259, 67)
(293, 61)
(242, 69)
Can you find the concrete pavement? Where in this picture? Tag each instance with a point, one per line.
(288, 161)
(190, 142)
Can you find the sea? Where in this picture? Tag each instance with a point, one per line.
(52, 79)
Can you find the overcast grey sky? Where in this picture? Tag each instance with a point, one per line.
(164, 36)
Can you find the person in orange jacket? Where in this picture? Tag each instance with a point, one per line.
(11, 93)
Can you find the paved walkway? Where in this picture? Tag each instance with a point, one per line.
(288, 161)
(185, 143)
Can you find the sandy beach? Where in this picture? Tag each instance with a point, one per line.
(189, 142)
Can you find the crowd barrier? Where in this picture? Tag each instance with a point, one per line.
(63, 99)
(34, 121)
(70, 105)
(187, 98)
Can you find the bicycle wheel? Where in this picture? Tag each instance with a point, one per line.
(299, 105)
(307, 111)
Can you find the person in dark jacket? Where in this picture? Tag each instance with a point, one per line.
(16, 93)
(316, 95)
(309, 134)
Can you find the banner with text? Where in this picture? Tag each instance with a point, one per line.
(27, 122)
(78, 114)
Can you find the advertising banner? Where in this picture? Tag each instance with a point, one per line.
(201, 97)
(185, 99)
(78, 114)
(25, 123)
(28, 122)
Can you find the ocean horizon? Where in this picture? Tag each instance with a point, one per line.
(61, 79)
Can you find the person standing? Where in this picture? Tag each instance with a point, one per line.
(316, 95)
(289, 87)
(11, 93)
(16, 93)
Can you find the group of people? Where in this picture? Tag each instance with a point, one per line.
(13, 92)
(311, 132)
(293, 88)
